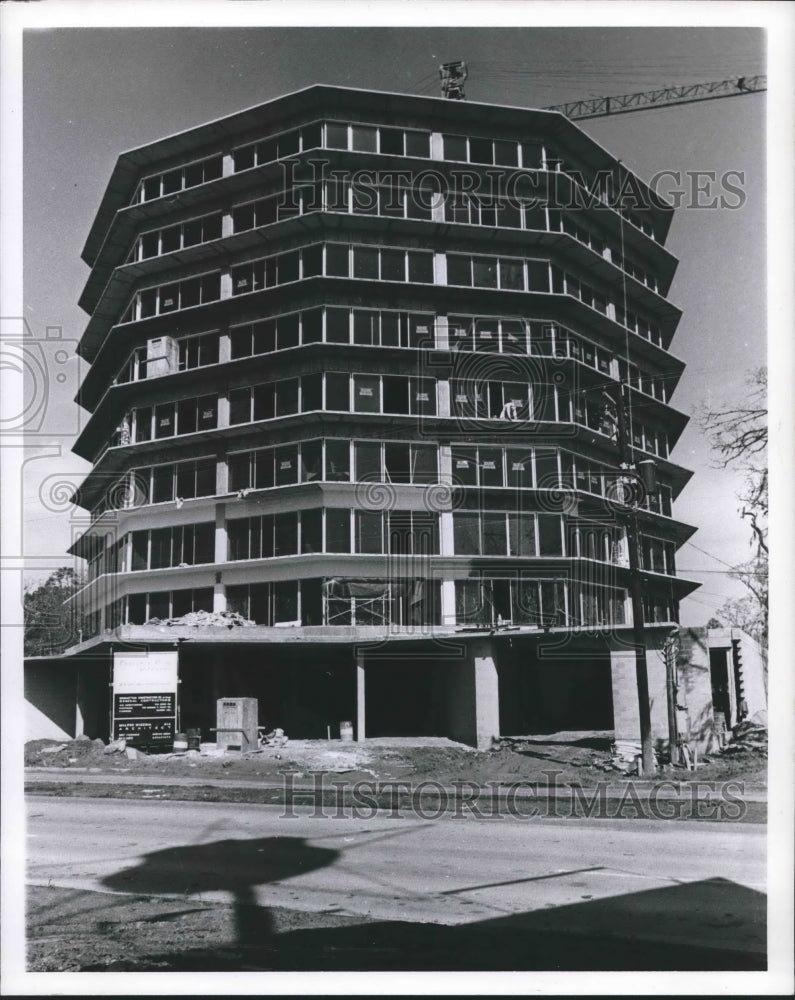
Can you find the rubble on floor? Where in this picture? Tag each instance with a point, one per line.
(276, 738)
(626, 756)
(583, 758)
(747, 736)
(222, 619)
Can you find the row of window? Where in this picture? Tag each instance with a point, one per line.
(519, 599)
(542, 468)
(333, 460)
(178, 179)
(109, 559)
(374, 264)
(567, 222)
(385, 394)
(514, 533)
(334, 135)
(195, 351)
(564, 283)
(484, 601)
(333, 325)
(390, 198)
(160, 484)
(338, 260)
(607, 186)
(387, 140)
(184, 545)
(382, 328)
(337, 460)
(169, 239)
(338, 530)
(185, 416)
(160, 299)
(335, 391)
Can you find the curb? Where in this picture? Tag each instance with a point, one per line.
(426, 798)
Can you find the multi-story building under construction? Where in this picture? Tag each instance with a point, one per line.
(373, 371)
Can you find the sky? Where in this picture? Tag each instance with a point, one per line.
(91, 93)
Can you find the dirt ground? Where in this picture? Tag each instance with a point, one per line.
(583, 758)
(71, 930)
(77, 931)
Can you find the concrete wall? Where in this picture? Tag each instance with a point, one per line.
(626, 718)
(695, 686)
(752, 672)
(50, 693)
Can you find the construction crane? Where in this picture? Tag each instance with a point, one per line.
(665, 97)
(453, 75)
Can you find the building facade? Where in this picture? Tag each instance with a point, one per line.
(364, 368)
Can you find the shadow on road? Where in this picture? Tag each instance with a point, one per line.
(651, 930)
(235, 866)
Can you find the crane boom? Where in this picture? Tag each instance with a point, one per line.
(622, 104)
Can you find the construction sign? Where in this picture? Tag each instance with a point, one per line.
(145, 697)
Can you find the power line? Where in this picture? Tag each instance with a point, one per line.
(711, 556)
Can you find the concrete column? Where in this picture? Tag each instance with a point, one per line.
(446, 546)
(443, 398)
(360, 698)
(472, 703)
(79, 720)
(626, 720)
(221, 556)
(442, 334)
(446, 539)
(221, 475)
(445, 464)
(224, 347)
(487, 697)
(228, 165)
(448, 602)
(223, 410)
(226, 283)
(437, 147)
(221, 551)
(227, 227)
(439, 268)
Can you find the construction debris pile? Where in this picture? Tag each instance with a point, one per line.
(626, 756)
(276, 738)
(748, 736)
(222, 619)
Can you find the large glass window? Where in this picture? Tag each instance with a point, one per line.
(549, 535)
(338, 461)
(338, 530)
(466, 533)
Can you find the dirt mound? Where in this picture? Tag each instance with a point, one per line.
(55, 753)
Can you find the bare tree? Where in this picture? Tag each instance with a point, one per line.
(739, 436)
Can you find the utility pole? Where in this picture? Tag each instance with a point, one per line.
(669, 650)
(646, 480)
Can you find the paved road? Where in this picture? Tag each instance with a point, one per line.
(685, 884)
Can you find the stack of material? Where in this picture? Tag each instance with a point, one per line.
(276, 738)
(748, 736)
(222, 619)
(626, 756)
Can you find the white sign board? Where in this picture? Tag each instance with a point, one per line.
(145, 697)
(135, 673)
